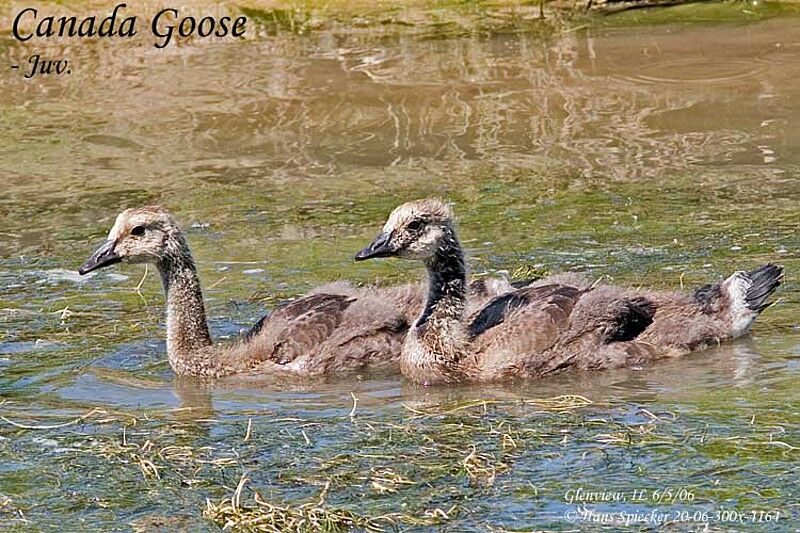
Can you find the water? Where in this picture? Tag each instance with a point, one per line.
(657, 155)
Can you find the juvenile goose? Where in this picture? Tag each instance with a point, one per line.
(335, 329)
(554, 324)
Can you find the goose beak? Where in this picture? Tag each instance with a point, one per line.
(381, 247)
(104, 256)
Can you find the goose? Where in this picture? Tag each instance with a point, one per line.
(336, 328)
(554, 324)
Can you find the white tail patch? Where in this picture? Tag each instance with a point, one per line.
(742, 317)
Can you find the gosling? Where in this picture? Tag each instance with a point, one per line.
(555, 324)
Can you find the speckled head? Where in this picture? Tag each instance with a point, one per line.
(139, 235)
(413, 230)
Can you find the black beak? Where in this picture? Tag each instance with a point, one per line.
(104, 256)
(380, 247)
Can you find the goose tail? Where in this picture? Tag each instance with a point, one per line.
(748, 294)
(763, 282)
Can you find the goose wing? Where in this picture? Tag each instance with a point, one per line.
(512, 328)
(604, 330)
(555, 299)
(370, 334)
(626, 319)
(299, 327)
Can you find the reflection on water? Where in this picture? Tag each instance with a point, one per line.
(659, 156)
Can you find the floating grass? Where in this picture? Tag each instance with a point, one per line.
(269, 517)
(431, 463)
(265, 516)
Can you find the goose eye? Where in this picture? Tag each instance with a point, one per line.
(415, 225)
(138, 231)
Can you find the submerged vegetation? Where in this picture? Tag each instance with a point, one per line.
(429, 465)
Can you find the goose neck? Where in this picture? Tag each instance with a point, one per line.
(436, 343)
(447, 283)
(187, 329)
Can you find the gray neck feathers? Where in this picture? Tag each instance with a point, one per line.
(187, 330)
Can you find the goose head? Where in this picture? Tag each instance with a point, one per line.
(139, 235)
(414, 230)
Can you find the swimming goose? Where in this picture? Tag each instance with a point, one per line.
(554, 324)
(334, 329)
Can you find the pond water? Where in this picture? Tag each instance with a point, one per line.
(663, 156)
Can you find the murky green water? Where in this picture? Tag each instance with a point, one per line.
(655, 155)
